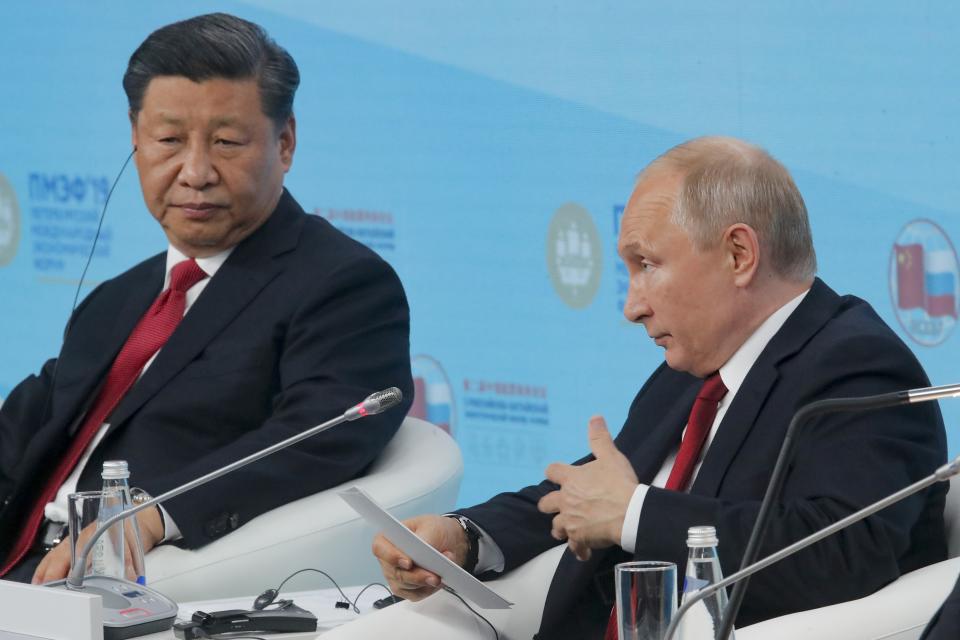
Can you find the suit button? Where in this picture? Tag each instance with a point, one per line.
(216, 527)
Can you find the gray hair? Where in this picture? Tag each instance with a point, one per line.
(726, 181)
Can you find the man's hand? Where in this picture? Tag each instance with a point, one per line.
(56, 564)
(408, 580)
(593, 498)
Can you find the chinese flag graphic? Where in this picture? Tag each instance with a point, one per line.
(910, 286)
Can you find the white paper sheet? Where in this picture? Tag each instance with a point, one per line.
(452, 575)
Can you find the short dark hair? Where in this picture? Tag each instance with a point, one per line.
(216, 45)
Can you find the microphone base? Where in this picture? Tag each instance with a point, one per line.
(129, 609)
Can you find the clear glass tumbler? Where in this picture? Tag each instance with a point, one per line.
(87, 509)
(646, 599)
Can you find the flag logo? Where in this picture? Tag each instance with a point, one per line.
(9, 222)
(924, 281)
(433, 395)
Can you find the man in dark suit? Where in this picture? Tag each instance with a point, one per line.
(285, 322)
(717, 244)
(945, 624)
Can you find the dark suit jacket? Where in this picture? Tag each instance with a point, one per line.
(831, 346)
(299, 323)
(945, 624)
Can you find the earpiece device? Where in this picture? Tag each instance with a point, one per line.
(265, 599)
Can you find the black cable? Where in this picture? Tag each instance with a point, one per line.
(76, 295)
(356, 609)
(472, 610)
(96, 236)
(372, 584)
(352, 603)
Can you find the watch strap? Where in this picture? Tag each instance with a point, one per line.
(473, 542)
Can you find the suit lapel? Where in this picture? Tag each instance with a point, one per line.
(742, 417)
(246, 272)
(83, 365)
(737, 423)
(658, 439)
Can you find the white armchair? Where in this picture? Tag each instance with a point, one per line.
(418, 472)
(899, 611)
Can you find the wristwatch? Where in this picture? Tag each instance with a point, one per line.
(473, 542)
(138, 496)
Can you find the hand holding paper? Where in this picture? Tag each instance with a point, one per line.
(429, 567)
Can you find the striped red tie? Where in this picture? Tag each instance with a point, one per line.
(701, 419)
(151, 333)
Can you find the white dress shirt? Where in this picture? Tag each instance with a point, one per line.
(733, 373)
(57, 509)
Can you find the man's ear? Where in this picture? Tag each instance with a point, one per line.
(743, 249)
(288, 142)
(133, 129)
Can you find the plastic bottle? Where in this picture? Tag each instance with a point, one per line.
(116, 481)
(703, 568)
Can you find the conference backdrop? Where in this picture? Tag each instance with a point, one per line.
(486, 150)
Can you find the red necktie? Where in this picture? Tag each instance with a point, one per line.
(698, 427)
(702, 415)
(150, 334)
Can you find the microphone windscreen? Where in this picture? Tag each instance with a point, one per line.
(383, 400)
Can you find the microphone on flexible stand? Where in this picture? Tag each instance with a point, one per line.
(942, 474)
(867, 403)
(131, 609)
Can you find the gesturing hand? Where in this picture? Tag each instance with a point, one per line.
(593, 498)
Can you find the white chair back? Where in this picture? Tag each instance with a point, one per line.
(418, 472)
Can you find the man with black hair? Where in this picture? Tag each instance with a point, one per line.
(259, 321)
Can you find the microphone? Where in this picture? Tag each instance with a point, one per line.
(375, 403)
(942, 474)
(117, 609)
(867, 403)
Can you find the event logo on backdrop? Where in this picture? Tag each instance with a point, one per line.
(64, 216)
(376, 229)
(433, 393)
(506, 424)
(924, 280)
(9, 222)
(574, 255)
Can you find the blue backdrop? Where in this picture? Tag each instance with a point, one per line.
(487, 151)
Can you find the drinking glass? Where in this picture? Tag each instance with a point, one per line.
(646, 599)
(86, 510)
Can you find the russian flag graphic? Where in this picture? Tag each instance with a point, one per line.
(431, 402)
(926, 279)
(940, 284)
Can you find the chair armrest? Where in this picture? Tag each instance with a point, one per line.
(899, 611)
(319, 531)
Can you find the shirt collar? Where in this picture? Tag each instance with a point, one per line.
(736, 368)
(210, 265)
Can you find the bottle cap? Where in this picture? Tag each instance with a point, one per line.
(115, 470)
(703, 536)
